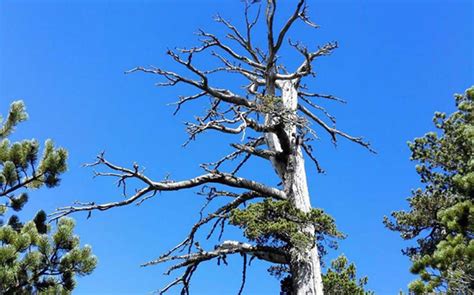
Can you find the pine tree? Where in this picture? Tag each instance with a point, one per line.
(32, 258)
(341, 278)
(273, 117)
(441, 215)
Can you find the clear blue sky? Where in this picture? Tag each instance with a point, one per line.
(398, 62)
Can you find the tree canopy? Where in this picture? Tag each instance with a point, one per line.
(341, 278)
(441, 215)
(33, 259)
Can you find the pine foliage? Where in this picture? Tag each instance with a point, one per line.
(341, 278)
(33, 259)
(278, 223)
(441, 215)
(21, 165)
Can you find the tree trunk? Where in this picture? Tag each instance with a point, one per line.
(305, 265)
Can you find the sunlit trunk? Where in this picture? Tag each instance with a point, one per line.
(305, 265)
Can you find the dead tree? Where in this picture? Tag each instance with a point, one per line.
(277, 109)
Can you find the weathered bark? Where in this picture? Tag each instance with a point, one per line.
(304, 263)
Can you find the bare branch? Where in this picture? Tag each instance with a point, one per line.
(63, 211)
(288, 24)
(194, 129)
(271, 254)
(254, 76)
(184, 99)
(304, 17)
(266, 154)
(320, 108)
(249, 27)
(244, 273)
(326, 96)
(309, 151)
(167, 185)
(228, 125)
(173, 78)
(189, 241)
(333, 131)
(305, 68)
(270, 14)
(192, 260)
(241, 164)
(238, 37)
(136, 173)
(232, 156)
(211, 40)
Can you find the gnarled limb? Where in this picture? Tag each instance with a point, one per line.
(192, 260)
(174, 78)
(266, 154)
(270, 254)
(123, 174)
(305, 68)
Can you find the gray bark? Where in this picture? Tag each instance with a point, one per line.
(305, 265)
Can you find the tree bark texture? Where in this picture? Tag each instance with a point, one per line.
(304, 264)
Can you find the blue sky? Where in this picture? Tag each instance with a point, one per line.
(398, 62)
